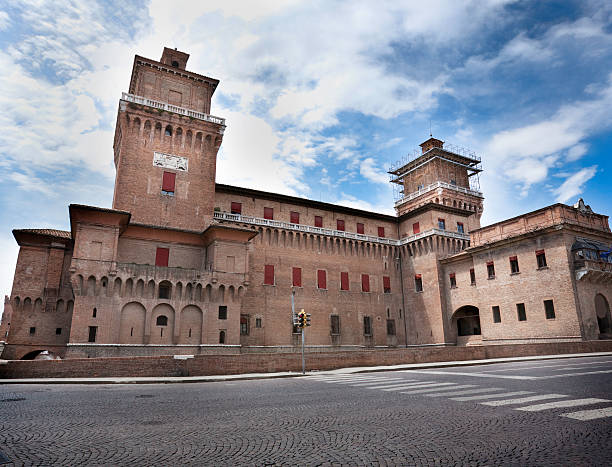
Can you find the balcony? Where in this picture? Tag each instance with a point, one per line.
(435, 186)
(593, 270)
(174, 109)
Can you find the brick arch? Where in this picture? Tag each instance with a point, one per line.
(150, 292)
(69, 306)
(162, 334)
(104, 288)
(602, 312)
(157, 134)
(220, 295)
(128, 289)
(135, 127)
(60, 306)
(191, 325)
(231, 293)
(38, 305)
(208, 141)
(16, 302)
(178, 291)
(139, 292)
(198, 293)
(208, 293)
(466, 320)
(178, 136)
(198, 141)
(27, 305)
(188, 139)
(132, 323)
(189, 292)
(117, 287)
(147, 131)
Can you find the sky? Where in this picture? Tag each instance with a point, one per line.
(320, 97)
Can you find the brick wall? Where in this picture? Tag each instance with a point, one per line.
(262, 363)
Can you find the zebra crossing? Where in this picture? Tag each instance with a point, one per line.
(526, 401)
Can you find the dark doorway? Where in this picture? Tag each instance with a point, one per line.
(468, 321)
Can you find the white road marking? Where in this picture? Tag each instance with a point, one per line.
(467, 391)
(558, 365)
(423, 391)
(417, 386)
(389, 384)
(561, 404)
(524, 399)
(575, 374)
(373, 381)
(589, 414)
(480, 375)
(491, 396)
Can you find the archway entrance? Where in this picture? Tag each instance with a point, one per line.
(602, 310)
(468, 321)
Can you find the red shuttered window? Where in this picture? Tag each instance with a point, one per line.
(236, 208)
(381, 232)
(161, 257)
(416, 228)
(294, 217)
(365, 283)
(344, 281)
(321, 279)
(168, 182)
(318, 221)
(360, 228)
(386, 284)
(339, 224)
(297, 277)
(269, 213)
(269, 274)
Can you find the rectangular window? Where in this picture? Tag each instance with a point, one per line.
(269, 274)
(441, 224)
(360, 228)
(32, 331)
(390, 327)
(168, 181)
(367, 326)
(496, 314)
(344, 281)
(381, 232)
(321, 279)
(161, 257)
(541, 258)
(236, 208)
(164, 291)
(453, 280)
(269, 213)
(460, 227)
(297, 277)
(491, 270)
(514, 267)
(258, 322)
(222, 312)
(335, 325)
(318, 221)
(386, 284)
(365, 283)
(472, 277)
(520, 311)
(339, 224)
(549, 307)
(58, 331)
(418, 283)
(244, 325)
(93, 330)
(416, 228)
(294, 217)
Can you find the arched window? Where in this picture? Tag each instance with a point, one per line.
(168, 131)
(222, 337)
(162, 320)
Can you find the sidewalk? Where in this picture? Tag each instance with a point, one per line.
(287, 374)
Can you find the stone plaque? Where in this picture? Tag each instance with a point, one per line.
(170, 161)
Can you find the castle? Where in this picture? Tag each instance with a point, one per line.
(184, 265)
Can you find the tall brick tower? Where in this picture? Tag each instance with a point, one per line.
(438, 208)
(166, 145)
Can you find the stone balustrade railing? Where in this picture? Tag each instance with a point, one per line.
(435, 186)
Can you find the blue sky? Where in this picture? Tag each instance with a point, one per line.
(320, 97)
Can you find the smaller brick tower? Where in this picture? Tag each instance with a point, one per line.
(166, 145)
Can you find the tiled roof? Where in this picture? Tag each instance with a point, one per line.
(47, 232)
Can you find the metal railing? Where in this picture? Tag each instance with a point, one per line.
(172, 108)
(448, 147)
(335, 233)
(437, 185)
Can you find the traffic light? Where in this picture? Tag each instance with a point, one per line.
(302, 319)
(307, 319)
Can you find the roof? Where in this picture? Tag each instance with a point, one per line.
(46, 232)
(302, 201)
(589, 244)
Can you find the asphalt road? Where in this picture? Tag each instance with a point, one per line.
(552, 412)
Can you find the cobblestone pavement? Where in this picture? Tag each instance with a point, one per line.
(505, 414)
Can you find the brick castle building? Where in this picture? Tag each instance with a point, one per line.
(184, 265)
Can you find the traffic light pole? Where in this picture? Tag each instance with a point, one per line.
(303, 361)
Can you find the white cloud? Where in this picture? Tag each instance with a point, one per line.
(370, 170)
(353, 202)
(574, 185)
(4, 20)
(576, 152)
